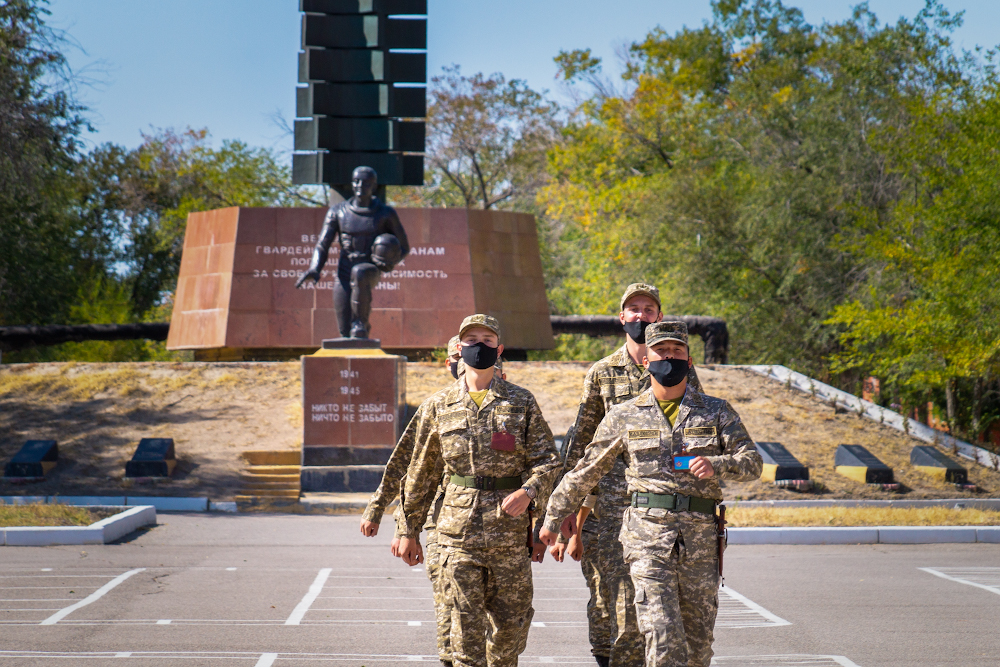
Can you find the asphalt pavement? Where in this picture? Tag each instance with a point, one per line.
(285, 590)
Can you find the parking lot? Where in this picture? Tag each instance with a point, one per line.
(260, 590)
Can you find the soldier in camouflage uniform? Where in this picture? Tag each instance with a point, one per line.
(489, 439)
(677, 443)
(614, 635)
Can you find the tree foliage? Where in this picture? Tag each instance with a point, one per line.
(487, 139)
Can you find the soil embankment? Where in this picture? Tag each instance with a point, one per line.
(98, 413)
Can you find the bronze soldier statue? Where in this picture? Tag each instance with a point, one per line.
(371, 240)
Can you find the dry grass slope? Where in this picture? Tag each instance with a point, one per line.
(215, 412)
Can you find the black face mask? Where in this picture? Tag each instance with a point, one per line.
(454, 369)
(637, 330)
(669, 372)
(480, 355)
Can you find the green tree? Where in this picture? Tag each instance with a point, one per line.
(486, 143)
(40, 253)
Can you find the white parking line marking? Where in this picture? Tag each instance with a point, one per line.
(163, 621)
(536, 624)
(782, 660)
(93, 597)
(310, 597)
(987, 578)
(266, 659)
(233, 569)
(741, 612)
(123, 654)
(46, 569)
(414, 624)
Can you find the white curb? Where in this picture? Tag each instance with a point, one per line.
(104, 531)
(866, 535)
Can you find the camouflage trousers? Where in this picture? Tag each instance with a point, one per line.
(675, 569)
(490, 593)
(442, 607)
(598, 616)
(627, 643)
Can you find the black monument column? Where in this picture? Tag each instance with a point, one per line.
(363, 70)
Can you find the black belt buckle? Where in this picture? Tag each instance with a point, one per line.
(486, 483)
(682, 503)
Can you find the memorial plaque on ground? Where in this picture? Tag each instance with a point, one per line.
(236, 288)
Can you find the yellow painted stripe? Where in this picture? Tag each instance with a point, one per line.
(770, 472)
(857, 473)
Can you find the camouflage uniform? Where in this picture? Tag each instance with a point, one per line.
(484, 560)
(672, 555)
(387, 491)
(610, 612)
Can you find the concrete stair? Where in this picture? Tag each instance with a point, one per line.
(271, 481)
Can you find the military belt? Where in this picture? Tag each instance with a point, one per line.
(674, 501)
(487, 483)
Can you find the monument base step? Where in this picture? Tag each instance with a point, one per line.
(319, 455)
(341, 479)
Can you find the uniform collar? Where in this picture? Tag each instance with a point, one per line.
(691, 399)
(459, 391)
(621, 358)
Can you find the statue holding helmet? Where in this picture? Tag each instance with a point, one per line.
(372, 240)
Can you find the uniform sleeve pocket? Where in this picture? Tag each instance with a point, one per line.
(640, 594)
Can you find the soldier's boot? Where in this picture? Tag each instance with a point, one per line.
(602, 660)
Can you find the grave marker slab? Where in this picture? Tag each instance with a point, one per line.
(780, 464)
(35, 459)
(857, 463)
(154, 457)
(930, 461)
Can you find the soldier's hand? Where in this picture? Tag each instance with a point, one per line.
(701, 468)
(575, 547)
(516, 503)
(380, 263)
(410, 551)
(312, 275)
(558, 551)
(547, 537)
(369, 528)
(537, 552)
(394, 547)
(568, 527)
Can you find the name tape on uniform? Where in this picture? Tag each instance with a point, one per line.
(511, 410)
(639, 434)
(699, 431)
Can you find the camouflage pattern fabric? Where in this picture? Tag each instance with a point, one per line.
(483, 545)
(610, 381)
(392, 476)
(442, 604)
(638, 431)
(491, 592)
(598, 616)
(676, 587)
(627, 643)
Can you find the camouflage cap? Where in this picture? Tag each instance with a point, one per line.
(657, 332)
(453, 345)
(641, 288)
(480, 320)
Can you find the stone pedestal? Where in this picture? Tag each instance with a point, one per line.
(353, 407)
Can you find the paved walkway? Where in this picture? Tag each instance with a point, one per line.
(259, 590)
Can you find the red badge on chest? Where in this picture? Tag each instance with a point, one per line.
(503, 442)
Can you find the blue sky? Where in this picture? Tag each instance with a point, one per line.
(230, 65)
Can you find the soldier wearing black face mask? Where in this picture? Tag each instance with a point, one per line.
(676, 443)
(614, 634)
